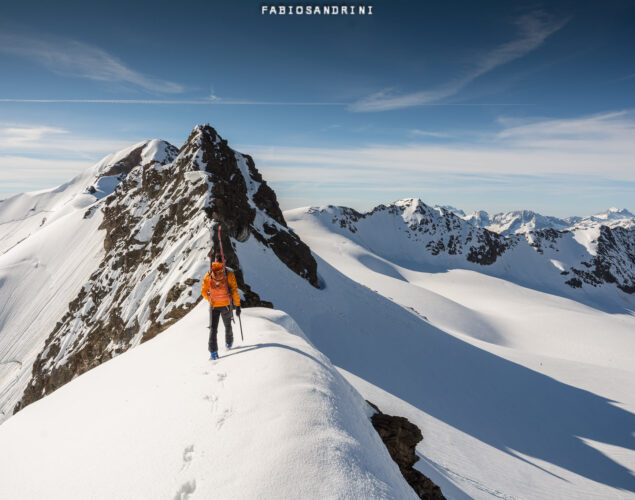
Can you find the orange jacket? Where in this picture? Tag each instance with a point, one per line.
(214, 288)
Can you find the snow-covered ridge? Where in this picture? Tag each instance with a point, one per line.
(155, 232)
(415, 235)
(272, 419)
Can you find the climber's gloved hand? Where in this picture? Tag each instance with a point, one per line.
(237, 310)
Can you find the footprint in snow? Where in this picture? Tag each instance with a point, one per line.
(221, 420)
(213, 399)
(186, 490)
(187, 454)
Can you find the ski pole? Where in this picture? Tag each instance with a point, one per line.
(241, 328)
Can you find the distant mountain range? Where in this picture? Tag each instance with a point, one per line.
(419, 236)
(523, 221)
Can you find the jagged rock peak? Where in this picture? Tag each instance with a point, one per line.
(243, 201)
(156, 244)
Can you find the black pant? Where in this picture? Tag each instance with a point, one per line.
(214, 314)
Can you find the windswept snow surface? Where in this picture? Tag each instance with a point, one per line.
(519, 393)
(271, 419)
(38, 278)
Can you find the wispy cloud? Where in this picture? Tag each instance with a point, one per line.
(21, 136)
(223, 101)
(427, 133)
(69, 57)
(534, 29)
(611, 133)
(36, 139)
(18, 173)
(201, 102)
(37, 156)
(599, 145)
(561, 167)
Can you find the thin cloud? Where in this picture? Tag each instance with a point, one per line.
(36, 156)
(69, 57)
(611, 132)
(415, 161)
(599, 145)
(221, 101)
(36, 139)
(20, 136)
(202, 102)
(534, 29)
(426, 133)
(19, 173)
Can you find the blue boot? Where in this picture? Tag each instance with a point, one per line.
(229, 346)
(214, 355)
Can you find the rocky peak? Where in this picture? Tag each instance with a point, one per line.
(243, 201)
(156, 241)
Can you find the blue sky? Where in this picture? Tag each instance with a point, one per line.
(480, 105)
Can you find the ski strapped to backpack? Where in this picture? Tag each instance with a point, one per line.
(211, 260)
(229, 294)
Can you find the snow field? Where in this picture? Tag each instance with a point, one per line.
(519, 393)
(271, 419)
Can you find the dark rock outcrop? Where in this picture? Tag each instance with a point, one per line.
(438, 231)
(614, 261)
(401, 437)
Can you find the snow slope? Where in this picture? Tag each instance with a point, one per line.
(38, 279)
(50, 243)
(519, 393)
(49, 246)
(271, 419)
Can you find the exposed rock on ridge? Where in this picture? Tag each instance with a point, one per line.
(244, 203)
(401, 437)
(439, 233)
(157, 245)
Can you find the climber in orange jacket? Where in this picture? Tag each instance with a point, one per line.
(218, 289)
